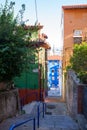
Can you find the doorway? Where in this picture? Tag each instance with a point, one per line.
(54, 78)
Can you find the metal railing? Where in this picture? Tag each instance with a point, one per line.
(39, 111)
(23, 122)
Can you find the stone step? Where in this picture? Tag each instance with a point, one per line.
(29, 110)
(59, 122)
(55, 129)
(49, 122)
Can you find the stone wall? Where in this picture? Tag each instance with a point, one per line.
(9, 104)
(74, 94)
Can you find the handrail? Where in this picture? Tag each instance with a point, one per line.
(23, 122)
(38, 117)
(38, 112)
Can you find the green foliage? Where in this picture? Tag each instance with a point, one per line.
(14, 40)
(79, 61)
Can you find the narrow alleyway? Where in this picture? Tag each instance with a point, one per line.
(56, 118)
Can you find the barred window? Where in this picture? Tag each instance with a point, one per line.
(77, 36)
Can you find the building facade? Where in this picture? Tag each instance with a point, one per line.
(32, 82)
(74, 29)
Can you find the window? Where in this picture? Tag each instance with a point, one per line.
(77, 36)
(78, 40)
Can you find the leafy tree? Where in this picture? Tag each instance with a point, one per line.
(14, 39)
(79, 61)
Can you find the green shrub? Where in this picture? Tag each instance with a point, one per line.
(78, 62)
(13, 41)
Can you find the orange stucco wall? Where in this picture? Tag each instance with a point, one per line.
(73, 19)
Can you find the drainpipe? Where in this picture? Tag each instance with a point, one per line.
(39, 78)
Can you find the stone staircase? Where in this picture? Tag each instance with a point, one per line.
(56, 118)
(58, 122)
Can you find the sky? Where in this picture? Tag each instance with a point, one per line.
(48, 14)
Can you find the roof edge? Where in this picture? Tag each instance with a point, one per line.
(79, 6)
